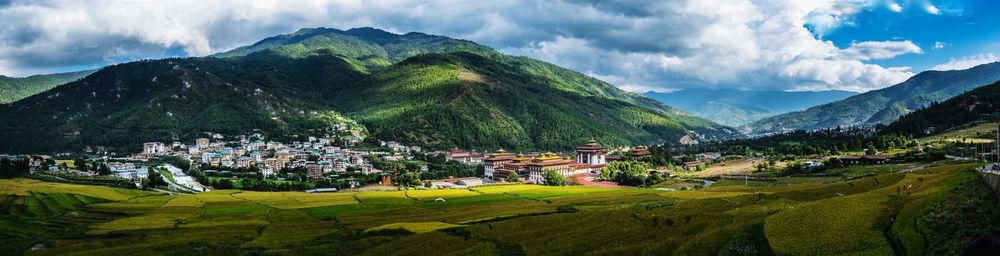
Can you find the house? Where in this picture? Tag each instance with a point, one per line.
(536, 168)
(692, 166)
(463, 156)
(640, 152)
(864, 159)
(201, 143)
(498, 158)
(153, 148)
(708, 156)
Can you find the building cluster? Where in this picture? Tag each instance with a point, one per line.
(501, 165)
(319, 156)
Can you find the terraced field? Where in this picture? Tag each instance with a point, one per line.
(875, 215)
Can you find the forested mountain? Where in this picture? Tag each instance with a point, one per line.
(160, 100)
(428, 90)
(735, 107)
(979, 104)
(885, 105)
(15, 88)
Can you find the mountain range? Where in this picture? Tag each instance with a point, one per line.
(415, 88)
(980, 104)
(735, 107)
(15, 88)
(884, 105)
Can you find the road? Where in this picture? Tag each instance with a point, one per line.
(183, 181)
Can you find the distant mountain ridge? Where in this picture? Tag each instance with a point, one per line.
(980, 104)
(15, 88)
(415, 88)
(734, 107)
(884, 105)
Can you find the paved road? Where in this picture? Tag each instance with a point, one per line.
(185, 181)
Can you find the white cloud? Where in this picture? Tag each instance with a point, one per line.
(645, 45)
(930, 8)
(873, 50)
(894, 7)
(939, 45)
(967, 62)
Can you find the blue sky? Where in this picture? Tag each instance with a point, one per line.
(638, 45)
(961, 29)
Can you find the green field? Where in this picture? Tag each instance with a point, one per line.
(874, 215)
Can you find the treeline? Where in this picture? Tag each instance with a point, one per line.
(821, 142)
(14, 167)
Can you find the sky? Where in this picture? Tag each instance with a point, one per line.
(638, 45)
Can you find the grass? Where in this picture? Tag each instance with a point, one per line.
(795, 215)
(415, 227)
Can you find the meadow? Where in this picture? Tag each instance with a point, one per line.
(877, 214)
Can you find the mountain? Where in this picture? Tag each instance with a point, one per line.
(885, 105)
(414, 88)
(13, 88)
(123, 105)
(980, 104)
(734, 107)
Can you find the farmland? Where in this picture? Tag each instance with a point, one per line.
(872, 215)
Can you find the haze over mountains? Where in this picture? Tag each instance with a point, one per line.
(416, 88)
(884, 105)
(735, 107)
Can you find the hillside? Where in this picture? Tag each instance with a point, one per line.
(735, 107)
(124, 105)
(885, 105)
(469, 100)
(414, 88)
(980, 104)
(13, 89)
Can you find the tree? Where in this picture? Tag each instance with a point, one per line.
(410, 179)
(154, 178)
(553, 178)
(104, 170)
(629, 172)
(80, 164)
(10, 168)
(513, 178)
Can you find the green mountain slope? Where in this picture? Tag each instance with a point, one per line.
(372, 48)
(124, 105)
(473, 101)
(13, 89)
(980, 104)
(415, 88)
(885, 105)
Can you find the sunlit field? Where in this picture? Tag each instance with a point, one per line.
(874, 215)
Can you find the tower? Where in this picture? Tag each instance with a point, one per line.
(592, 153)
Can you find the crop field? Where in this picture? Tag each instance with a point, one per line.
(878, 214)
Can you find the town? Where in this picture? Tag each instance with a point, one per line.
(252, 162)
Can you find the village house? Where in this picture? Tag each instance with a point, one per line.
(463, 156)
(864, 159)
(153, 148)
(640, 152)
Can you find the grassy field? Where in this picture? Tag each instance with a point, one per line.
(977, 133)
(874, 215)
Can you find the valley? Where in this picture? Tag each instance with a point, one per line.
(766, 218)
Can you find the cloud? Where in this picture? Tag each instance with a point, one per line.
(894, 7)
(939, 45)
(967, 62)
(930, 8)
(638, 45)
(873, 50)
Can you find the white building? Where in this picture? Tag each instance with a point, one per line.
(153, 148)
